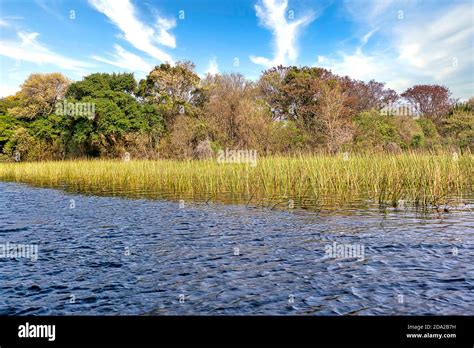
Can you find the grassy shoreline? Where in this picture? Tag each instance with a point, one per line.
(417, 179)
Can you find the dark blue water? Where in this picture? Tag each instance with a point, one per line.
(107, 255)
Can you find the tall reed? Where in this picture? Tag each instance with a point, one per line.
(420, 179)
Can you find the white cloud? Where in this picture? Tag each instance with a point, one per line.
(426, 46)
(273, 16)
(365, 67)
(367, 36)
(126, 60)
(322, 59)
(165, 38)
(143, 37)
(436, 46)
(25, 47)
(376, 12)
(213, 67)
(30, 50)
(5, 91)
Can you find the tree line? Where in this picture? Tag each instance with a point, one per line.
(173, 113)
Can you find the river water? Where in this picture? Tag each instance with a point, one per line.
(116, 256)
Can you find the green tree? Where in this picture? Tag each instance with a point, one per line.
(459, 127)
(374, 131)
(175, 90)
(119, 116)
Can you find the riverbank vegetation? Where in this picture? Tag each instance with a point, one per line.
(175, 114)
(317, 135)
(410, 178)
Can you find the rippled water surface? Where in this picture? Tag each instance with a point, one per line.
(107, 255)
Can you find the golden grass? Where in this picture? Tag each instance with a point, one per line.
(420, 179)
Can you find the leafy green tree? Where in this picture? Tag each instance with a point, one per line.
(7, 103)
(175, 90)
(431, 137)
(459, 127)
(118, 113)
(7, 127)
(101, 85)
(374, 130)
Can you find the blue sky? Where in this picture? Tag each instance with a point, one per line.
(400, 42)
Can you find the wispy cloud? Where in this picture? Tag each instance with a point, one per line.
(374, 12)
(29, 49)
(273, 16)
(126, 60)
(367, 66)
(143, 37)
(367, 36)
(421, 45)
(26, 47)
(164, 37)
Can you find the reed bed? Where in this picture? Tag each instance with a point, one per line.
(412, 178)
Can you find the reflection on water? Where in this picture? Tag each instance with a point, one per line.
(110, 255)
(339, 203)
